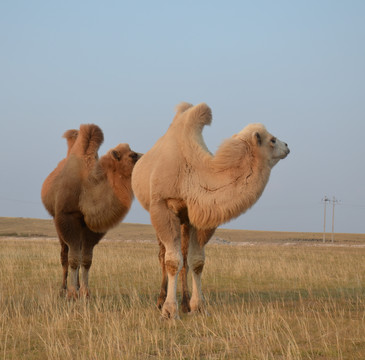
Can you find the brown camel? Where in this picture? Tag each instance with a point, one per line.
(189, 192)
(79, 193)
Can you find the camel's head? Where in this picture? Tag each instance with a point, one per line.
(270, 147)
(123, 159)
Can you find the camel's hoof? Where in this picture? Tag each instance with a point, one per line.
(170, 311)
(185, 307)
(84, 292)
(198, 308)
(62, 293)
(201, 310)
(72, 294)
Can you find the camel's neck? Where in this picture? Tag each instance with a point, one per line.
(120, 185)
(234, 182)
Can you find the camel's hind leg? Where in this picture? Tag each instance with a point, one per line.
(69, 228)
(196, 261)
(185, 306)
(163, 290)
(74, 263)
(167, 226)
(89, 240)
(64, 263)
(185, 301)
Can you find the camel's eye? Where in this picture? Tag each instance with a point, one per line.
(116, 155)
(273, 141)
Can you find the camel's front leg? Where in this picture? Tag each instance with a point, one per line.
(74, 259)
(196, 261)
(89, 240)
(167, 226)
(69, 229)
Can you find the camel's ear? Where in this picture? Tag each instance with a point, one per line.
(116, 155)
(257, 138)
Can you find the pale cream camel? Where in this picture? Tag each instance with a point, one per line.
(88, 187)
(185, 187)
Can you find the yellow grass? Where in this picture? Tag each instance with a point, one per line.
(268, 301)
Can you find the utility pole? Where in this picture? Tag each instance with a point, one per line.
(325, 200)
(334, 202)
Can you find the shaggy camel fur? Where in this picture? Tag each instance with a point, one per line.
(189, 192)
(46, 193)
(48, 198)
(85, 188)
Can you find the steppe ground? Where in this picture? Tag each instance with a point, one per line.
(268, 296)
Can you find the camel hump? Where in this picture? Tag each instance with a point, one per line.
(196, 117)
(190, 120)
(91, 135)
(182, 107)
(188, 130)
(70, 134)
(88, 141)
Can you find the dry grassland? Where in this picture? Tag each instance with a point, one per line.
(269, 301)
(24, 227)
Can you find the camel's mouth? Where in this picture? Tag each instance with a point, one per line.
(286, 153)
(135, 156)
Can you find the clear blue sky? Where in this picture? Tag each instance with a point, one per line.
(296, 66)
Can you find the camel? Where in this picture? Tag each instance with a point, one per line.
(89, 196)
(189, 192)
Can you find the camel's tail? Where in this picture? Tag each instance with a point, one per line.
(70, 136)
